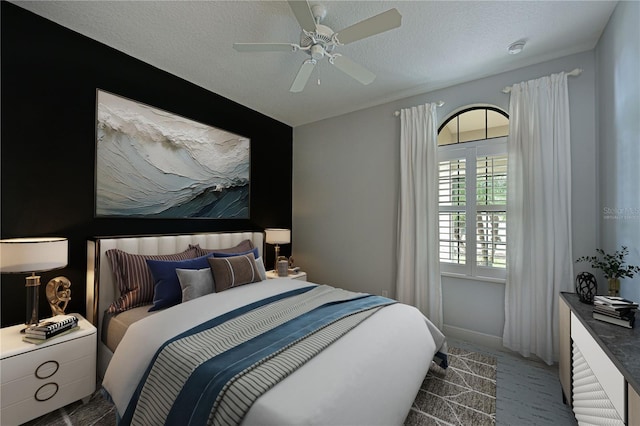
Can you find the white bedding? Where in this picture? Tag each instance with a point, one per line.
(369, 376)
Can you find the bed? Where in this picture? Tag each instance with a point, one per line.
(366, 372)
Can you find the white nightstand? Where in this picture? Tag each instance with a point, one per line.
(40, 378)
(302, 276)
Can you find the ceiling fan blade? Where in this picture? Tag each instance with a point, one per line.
(303, 75)
(377, 24)
(353, 69)
(303, 14)
(265, 47)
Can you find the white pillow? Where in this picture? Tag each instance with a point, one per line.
(261, 271)
(195, 282)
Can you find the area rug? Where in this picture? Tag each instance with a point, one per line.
(463, 394)
(96, 412)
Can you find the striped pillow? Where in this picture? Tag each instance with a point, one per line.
(234, 271)
(133, 276)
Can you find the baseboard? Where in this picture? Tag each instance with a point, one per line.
(493, 342)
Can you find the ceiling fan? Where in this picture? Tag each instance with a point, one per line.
(320, 41)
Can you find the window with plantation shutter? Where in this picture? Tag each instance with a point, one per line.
(452, 201)
(491, 211)
(472, 193)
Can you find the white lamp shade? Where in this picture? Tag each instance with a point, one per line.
(278, 236)
(25, 255)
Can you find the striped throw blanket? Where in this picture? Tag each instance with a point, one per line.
(214, 372)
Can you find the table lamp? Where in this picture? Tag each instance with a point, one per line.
(277, 236)
(32, 255)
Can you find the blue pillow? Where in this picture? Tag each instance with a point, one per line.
(255, 252)
(167, 291)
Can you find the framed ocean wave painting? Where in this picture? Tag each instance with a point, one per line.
(155, 164)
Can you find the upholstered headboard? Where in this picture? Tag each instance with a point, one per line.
(101, 287)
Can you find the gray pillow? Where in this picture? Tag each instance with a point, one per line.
(241, 247)
(261, 270)
(195, 282)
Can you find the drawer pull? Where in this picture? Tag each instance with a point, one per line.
(47, 369)
(46, 392)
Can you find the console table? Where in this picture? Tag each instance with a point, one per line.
(599, 365)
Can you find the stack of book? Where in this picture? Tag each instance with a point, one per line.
(615, 310)
(52, 327)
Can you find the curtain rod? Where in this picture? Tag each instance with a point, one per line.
(438, 104)
(575, 72)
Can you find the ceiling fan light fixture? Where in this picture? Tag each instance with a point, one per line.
(317, 52)
(516, 47)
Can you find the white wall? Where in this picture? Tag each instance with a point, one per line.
(345, 186)
(618, 94)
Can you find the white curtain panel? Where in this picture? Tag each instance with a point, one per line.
(418, 274)
(539, 254)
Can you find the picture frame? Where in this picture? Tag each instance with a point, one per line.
(151, 163)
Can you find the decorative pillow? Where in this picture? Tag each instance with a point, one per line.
(261, 270)
(255, 252)
(233, 271)
(195, 282)
(133, 277)
(242, 247)
(167, 291)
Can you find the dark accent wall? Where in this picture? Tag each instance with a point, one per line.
(47, 154)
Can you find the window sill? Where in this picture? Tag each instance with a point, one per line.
(473, 278)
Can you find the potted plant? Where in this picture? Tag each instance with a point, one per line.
(613, 266)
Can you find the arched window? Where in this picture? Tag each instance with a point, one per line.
(473, 123)
(473, 192)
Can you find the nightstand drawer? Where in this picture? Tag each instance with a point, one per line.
(34, 389)
(25, 364)
(28, 409)
(40, 378)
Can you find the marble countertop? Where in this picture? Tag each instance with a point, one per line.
(621, 344)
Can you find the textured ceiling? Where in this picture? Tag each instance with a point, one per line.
(440, 43)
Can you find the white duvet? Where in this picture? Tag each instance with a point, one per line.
(370, 376)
